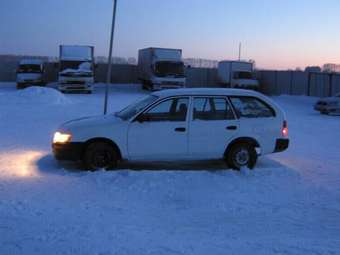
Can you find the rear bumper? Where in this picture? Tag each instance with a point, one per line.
(69, 151)
(281, 145)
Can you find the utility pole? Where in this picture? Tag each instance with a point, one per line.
(109, 66)
(239, 51)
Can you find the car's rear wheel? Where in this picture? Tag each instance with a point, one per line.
(100, 155)
(241, 155)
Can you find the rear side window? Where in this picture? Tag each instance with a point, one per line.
(212, 108)
(251, 107)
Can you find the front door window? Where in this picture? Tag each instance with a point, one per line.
(170, 110)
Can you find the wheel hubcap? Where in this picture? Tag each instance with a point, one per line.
(242, 157)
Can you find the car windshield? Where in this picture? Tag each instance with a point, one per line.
(136, 107)
(66, 66)
(29, 69)
(165, 68)
(243, 75)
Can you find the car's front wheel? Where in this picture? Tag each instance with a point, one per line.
(241, 155)
(100, 155)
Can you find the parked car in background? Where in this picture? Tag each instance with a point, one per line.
(30, 72)
(76, 68)
(328, 105)
(161, 68)
(237, 74)
(184, 124)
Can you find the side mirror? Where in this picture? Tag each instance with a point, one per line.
(143, 118)
(95, 66)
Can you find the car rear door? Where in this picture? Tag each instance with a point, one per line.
(212, 125)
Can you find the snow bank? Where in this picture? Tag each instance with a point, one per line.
(288, 205)
(36, 95)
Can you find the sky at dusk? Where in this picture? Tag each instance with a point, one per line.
(276, 34)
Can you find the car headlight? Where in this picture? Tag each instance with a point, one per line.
(61, 137)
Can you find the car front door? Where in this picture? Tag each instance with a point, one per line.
(160, 132)
(213, 124)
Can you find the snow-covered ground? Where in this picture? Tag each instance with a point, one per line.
(290, 204)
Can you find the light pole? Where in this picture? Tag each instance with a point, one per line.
(239, 51)
(109, 66)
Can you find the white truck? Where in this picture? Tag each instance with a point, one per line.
(161, 68)
(30, 72)
(76, 68)
(237, 74)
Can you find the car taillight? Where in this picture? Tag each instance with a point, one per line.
(285, 129)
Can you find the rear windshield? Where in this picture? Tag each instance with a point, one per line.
(243, 75)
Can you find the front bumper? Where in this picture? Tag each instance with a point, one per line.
(25, 84)
(72, 151)
(281, 145)
(320, 108)
(168, 86)
(75, 87)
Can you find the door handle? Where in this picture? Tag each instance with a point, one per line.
(180, 129)
(232, 127)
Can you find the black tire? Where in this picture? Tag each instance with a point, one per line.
(100, 155)
(241, 155)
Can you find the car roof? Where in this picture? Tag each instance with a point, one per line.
(206, 92)
(31, 62)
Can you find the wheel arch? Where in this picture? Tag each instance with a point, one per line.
(248, 140)
(105, 140)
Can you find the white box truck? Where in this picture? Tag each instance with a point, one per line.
(237, 74)
(76, 68)
(30, 72)
(161, 68)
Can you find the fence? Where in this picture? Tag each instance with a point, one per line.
(196, 77)
(299, 83)
(272, 82)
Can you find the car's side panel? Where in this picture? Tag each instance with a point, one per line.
(116, 131)
(157, 140)
(265, 130)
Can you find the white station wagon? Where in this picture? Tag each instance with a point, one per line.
(183, 124)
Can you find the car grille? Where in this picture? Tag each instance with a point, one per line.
(75, 82)
(174, 83)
